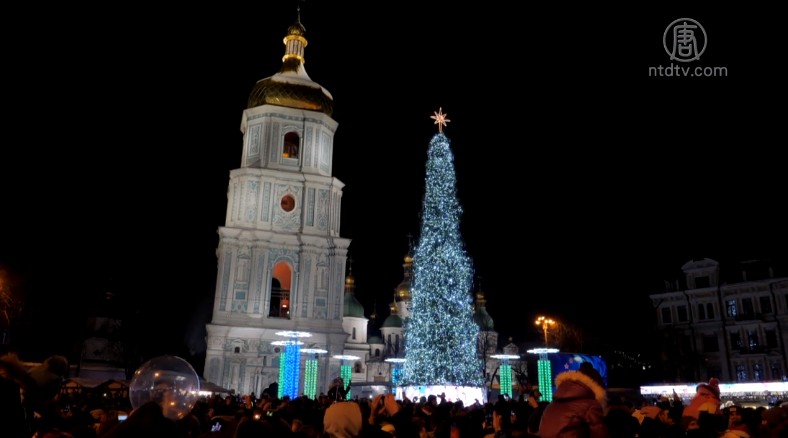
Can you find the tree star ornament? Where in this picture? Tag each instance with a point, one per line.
(440, 119)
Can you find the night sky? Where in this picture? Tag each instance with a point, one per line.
(582, 179)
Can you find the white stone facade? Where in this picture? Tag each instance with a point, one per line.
(734, 331)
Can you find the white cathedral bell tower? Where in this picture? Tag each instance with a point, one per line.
(281, 260)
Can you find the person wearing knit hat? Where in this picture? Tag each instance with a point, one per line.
(706, 399)
(342, 420)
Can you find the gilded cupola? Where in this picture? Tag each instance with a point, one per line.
(292, 87)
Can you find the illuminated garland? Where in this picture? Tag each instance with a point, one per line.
(346, 372)
(310, 378)
(281, 387)
(292, 365)
(505, 379)
(545, 379)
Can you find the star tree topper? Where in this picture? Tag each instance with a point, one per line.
(440, 119)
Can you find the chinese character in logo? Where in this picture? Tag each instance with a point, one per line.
(684, 40)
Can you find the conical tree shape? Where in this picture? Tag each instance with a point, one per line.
(441, 336)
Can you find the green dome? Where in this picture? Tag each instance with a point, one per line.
(375, 339)
(352, 307)
(483, 319)
(393, 321)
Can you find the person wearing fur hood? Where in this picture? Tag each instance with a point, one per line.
(578, 406)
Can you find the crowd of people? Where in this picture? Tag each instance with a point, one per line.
(581, 407)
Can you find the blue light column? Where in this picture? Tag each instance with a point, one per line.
(290, 363)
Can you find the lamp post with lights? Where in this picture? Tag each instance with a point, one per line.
(544, 368)
(545, 323)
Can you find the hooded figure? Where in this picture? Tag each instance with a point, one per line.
(342, 420)
(578, 406)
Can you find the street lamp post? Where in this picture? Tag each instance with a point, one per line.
(546, 323)
(545, 372)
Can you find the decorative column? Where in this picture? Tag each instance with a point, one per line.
(505, 372)
(396, 369)
(290, 362)
(310, 371)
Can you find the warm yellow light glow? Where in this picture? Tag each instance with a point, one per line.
(546, 323)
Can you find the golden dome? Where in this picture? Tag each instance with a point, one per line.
(402, 292)
(292, 87)
(271, 91)
(296, 29)
(350, 280)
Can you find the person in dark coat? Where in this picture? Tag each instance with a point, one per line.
(578, 406)
(338, 391)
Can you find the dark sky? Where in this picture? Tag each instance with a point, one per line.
(582, 178)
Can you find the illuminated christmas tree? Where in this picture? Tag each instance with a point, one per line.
(440, 334)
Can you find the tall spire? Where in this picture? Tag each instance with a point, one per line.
(402, 292)
(295, 42)
(480, 315)
(352, 307)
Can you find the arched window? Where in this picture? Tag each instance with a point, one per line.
(279, 306)
(290, 148)
(354, 333)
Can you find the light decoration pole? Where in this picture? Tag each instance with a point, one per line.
(310, 371)
(346, 371)
(396, 370)
(505, 372)
(290, 362)
(544, 370)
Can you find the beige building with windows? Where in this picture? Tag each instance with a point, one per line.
(733, 329)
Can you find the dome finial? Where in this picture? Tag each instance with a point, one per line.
(350, 281)
(479, 292)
